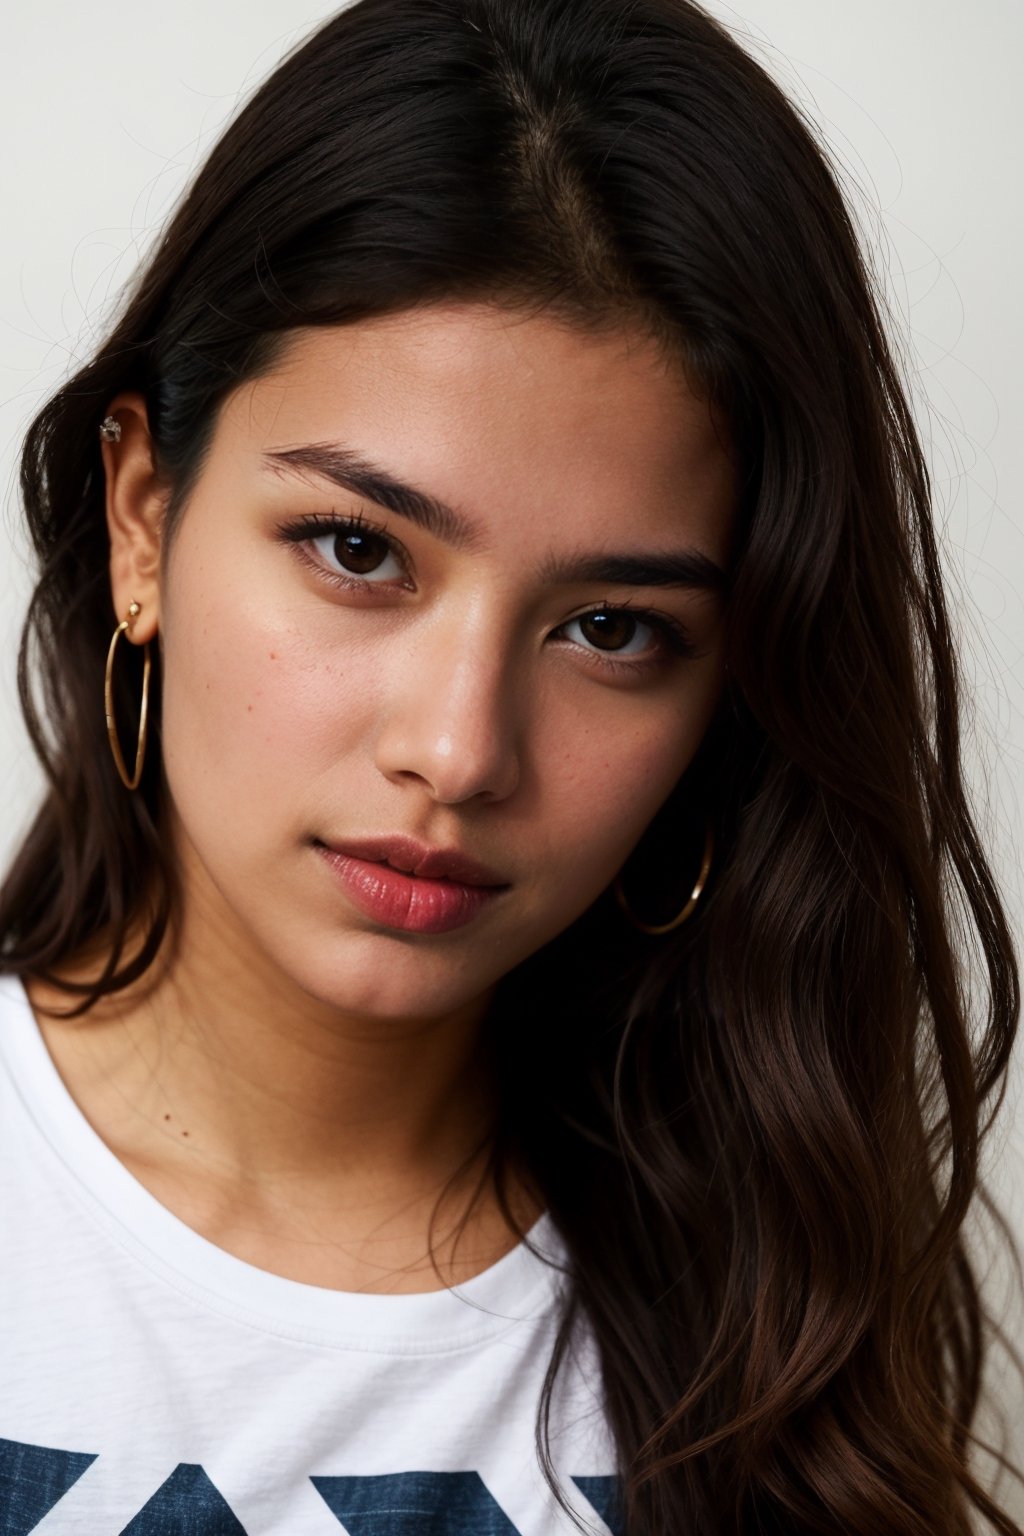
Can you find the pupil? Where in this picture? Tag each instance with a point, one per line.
(360, 552)
(608, 631)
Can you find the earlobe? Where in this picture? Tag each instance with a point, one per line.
(136, 502)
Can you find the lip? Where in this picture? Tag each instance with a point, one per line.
(413, 858)
(425, 890)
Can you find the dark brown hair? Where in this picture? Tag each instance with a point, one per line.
(760, 1134)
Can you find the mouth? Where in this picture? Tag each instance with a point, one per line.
(405, 885)
(410, 857)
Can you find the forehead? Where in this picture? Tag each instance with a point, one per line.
(505, 415)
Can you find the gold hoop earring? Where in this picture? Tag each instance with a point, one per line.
(108, 701)
(702, 878)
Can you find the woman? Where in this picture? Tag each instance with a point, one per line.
(495, 1054)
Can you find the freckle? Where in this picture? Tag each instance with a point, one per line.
(167, 1117)
(184, 1133)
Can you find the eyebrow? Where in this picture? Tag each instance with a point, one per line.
(350, 470)
(344, 467)
(675, 568)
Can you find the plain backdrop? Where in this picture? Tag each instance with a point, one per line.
(105, 113)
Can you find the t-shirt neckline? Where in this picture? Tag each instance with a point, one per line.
(521, 1284)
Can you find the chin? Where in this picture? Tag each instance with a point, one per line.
(387, 977)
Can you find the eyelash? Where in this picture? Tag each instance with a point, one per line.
(318, 524)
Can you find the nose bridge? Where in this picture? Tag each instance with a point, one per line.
(453, 720)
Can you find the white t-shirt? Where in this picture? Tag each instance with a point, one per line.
(152, 1384)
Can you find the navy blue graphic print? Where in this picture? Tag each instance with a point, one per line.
(35, 1478)
(32, 1479)
(604, 1494)
(187, 1504)
(415, 1504)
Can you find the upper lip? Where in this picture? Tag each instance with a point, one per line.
(416, 858)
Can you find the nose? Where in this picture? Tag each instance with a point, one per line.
(451, 721)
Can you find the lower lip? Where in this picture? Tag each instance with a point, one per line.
(408, 902)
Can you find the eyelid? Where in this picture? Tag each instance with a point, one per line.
(314, 525)
(672, 634)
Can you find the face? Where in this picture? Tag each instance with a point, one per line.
(446, 586)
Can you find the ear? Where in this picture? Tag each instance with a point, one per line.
(136, 503)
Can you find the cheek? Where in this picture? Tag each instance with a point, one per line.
(255, 713)
(612, 782)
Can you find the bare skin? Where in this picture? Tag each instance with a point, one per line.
(297, 1080)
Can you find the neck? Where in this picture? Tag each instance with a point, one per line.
(264, 1118)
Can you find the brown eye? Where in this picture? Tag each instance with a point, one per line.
(360, 552)
(349, 551)
(609, 631)
(353, 549)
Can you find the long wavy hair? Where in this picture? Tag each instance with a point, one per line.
(759, 1134)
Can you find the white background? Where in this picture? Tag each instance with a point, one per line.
(105, 111)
